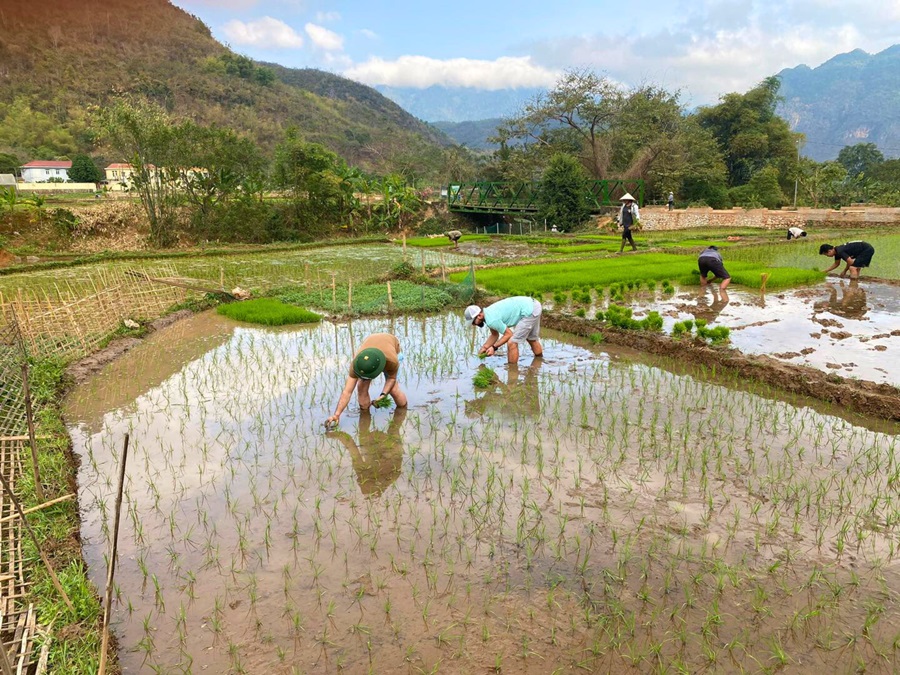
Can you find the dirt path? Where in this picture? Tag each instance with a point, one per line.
(868, 398)
(84, 368)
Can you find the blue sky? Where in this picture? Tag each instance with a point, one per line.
(703, 48)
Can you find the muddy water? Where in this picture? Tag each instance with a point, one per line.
(585, 512)
(851, 329)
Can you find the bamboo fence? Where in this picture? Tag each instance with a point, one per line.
(70, 323)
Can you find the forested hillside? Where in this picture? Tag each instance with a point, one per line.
(851, 98)
(60, 60)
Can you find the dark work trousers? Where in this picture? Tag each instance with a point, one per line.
(626, 236)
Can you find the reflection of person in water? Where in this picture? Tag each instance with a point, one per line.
(710, 311)
(515, 398)
(852, 304)
(378, 457)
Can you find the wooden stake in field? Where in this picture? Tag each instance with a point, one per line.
(404, 245)
(764, 277)
(333, 291)
(107, 610)
(29, 416)
(350, 294)
(423, 262)
(443, 268)
(390, 297)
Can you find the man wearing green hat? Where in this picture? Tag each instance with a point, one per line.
(380, 352)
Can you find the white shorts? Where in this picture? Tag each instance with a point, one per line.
(529, 328)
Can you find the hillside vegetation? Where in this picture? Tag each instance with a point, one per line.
(59, 60)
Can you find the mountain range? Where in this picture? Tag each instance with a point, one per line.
(60, 60)
(851, 98)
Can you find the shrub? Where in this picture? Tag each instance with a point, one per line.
(580, 312)
(597, 338)
(267, 311)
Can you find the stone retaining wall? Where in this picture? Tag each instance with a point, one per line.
(660, 218)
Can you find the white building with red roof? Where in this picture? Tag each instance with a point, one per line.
(40, 171)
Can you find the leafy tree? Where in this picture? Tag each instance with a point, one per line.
(34, 132)
(612, 130)
(750, 134)
(84, 170)
(144, 134)
(691, 166)
(822, 182)
(763, 190)
(860, 158)
(9, 163)
(214, 165)
(562, 198)
(312, 176)
(398, 200)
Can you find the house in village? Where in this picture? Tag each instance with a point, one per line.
(118, 175)
(41, 171)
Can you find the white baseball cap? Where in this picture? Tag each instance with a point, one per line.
(471, 312)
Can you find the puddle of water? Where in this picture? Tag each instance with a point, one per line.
(848, 329)
(579, 513)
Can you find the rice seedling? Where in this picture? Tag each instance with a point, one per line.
(576, 512)
(268, 312)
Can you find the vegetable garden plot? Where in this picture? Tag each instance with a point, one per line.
(581, 512)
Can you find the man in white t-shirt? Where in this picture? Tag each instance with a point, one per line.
(795, 233)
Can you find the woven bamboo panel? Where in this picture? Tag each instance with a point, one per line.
(17, 620)
(72, 323)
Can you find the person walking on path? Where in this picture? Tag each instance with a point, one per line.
(671, 201)
(857, 254)
(379, 353)
(710, 260)
(511, 320)
(454, 236)
(795, 233)
(629, 214)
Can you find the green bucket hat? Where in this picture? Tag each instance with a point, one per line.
(369, 363)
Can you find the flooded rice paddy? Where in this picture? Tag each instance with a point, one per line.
(843, 327)
(260, 270)
(588, 513)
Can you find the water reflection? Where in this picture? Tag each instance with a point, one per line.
(378, 455)
(710, 310)
(514, 398)
(852, 303)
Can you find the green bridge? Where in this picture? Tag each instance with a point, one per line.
(513, 197)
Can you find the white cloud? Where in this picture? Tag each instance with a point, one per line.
(325, 17)
(421, 71)
(722, 46)
(323, 38)
(371, 34)
(265, 33)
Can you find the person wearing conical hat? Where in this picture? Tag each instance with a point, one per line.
(379, 353)
(629, 214)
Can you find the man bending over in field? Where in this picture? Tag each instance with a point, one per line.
(454, 236)
(512, 320)
(380, 352)
(857, 254)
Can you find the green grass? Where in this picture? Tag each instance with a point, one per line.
(805, 252)
(537, 279)
(433, 242)
(75, 644)
(373, 298)
(586, 248)
(267, 311)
